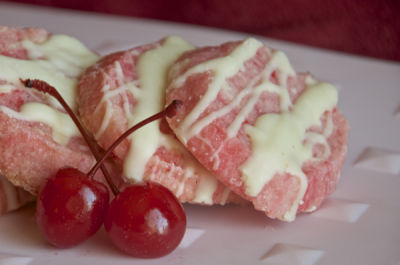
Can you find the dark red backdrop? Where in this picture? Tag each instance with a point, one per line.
(365, 27)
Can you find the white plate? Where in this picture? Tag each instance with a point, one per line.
(359, 224)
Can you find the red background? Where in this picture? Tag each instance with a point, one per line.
(363, 27)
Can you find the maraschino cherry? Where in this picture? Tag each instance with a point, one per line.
(144, 220)
(70, 208)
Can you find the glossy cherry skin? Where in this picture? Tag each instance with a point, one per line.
(146, 221)
(71, 207)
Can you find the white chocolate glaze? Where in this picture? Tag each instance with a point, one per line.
(58, 61)
(277, 141)
(63, 126)
(153, 66)
(12, 69)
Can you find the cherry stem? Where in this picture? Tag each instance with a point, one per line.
(169, 111)
(93, 146)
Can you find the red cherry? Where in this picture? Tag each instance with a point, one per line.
(146, 221)
(71, 207)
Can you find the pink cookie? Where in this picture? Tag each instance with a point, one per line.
(122, 89)
(36, 136)
(273, 136)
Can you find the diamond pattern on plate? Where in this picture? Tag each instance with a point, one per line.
(381, 160)
(341, 210)
(287, 254)
(8, 259)
(191, 235)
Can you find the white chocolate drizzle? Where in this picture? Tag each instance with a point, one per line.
(63, 126)
(58, 61)
(223, 68)
(152, 71)
(278, 138)
(277, 141)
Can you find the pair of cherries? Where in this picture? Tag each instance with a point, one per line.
(144, 220)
